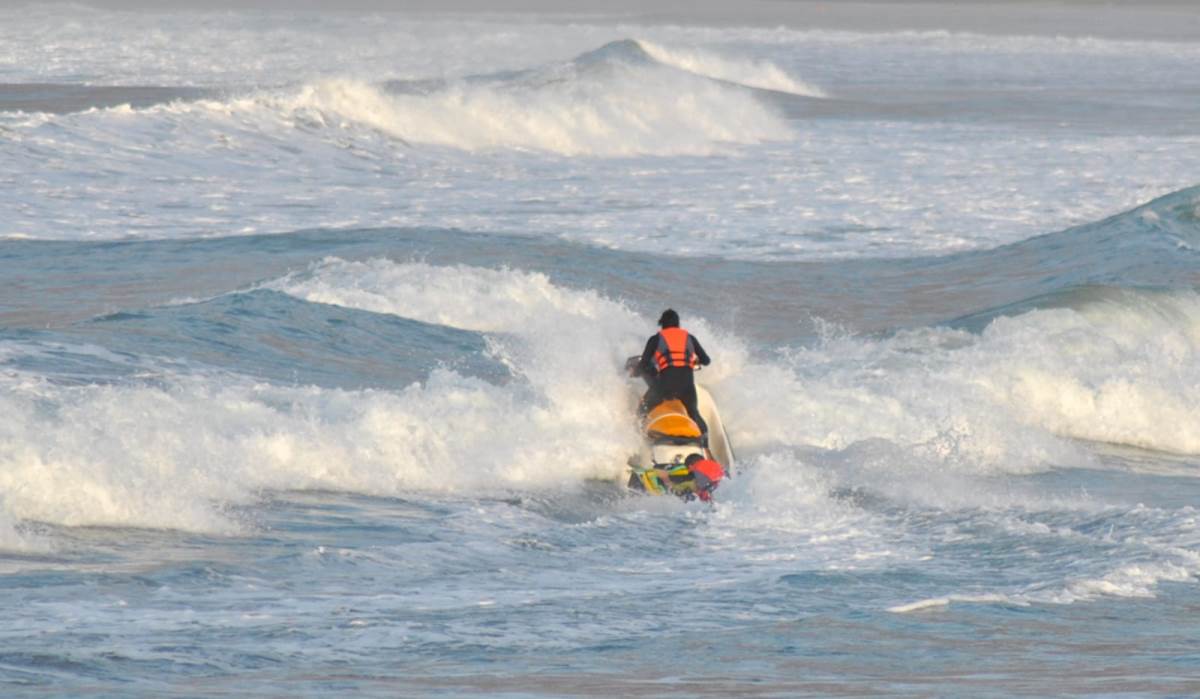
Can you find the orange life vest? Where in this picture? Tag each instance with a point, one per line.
(675, 349)
(710, 469)
(706, 475)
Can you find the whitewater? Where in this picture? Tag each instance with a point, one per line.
(312, 327)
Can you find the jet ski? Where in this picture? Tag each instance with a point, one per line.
(673, 444)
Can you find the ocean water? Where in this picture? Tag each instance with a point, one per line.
(311, 328)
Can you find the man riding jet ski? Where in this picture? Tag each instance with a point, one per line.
(668, 363)
(686, 443)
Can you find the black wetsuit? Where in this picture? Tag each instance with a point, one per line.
(672, 382)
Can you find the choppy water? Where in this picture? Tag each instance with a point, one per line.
(311, 328)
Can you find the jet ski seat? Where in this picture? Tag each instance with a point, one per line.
(670, 419)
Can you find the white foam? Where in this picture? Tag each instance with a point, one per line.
(926, 412)
(12, 538)
(1129, 580)
(781, 496)
(1113, 371)
(943, 423)
(175, 454)
(323, 156)
(947, 403)
(943, 602)
(523, 312)
(926, 417)
(644, 112)
(460, 296)
(753, 73)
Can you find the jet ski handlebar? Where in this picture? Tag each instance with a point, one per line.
(633, 366)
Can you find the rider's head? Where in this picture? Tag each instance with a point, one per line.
(668, 319)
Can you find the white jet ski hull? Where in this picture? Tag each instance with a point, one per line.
(666, 452)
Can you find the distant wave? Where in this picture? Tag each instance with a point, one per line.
(626, 98)
(647, 113)
(763, 75)
(50, 98)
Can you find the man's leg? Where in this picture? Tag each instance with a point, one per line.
(651, 398)
(690, 402)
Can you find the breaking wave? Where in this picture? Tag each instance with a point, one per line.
(615, 101)
(763, 75)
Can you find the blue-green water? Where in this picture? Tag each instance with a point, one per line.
(312, 385)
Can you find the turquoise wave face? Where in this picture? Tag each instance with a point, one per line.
(88, 287)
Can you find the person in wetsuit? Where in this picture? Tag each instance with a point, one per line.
(702, 478)
(667, 364)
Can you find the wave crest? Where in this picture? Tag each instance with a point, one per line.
(760, 74)
(649, 114)
(623, 99)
